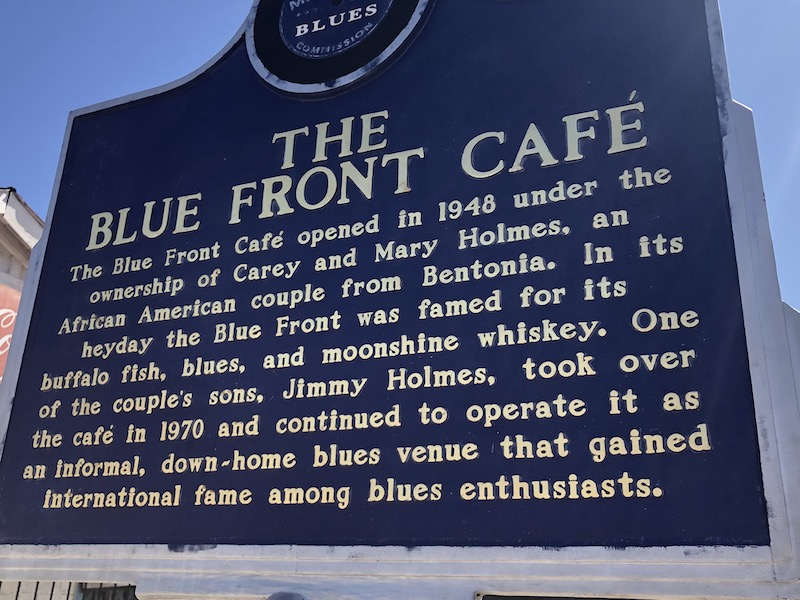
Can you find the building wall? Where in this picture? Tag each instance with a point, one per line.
(20, 229)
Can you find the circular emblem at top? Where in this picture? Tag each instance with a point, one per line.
(322, 29)
(316, 46)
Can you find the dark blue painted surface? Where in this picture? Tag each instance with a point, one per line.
(477, 66)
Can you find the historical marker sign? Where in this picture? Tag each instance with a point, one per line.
(398, 273)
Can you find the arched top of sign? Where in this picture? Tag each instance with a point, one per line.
(315, 46)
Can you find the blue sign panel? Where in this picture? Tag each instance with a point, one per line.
(398, 273)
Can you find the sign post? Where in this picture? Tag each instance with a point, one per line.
(417, 284)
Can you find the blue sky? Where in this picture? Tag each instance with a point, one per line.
(58, 56)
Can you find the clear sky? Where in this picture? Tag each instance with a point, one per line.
(59, 55)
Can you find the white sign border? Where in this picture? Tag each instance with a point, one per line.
(445, 573)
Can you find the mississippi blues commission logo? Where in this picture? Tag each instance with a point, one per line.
(322, 29)
(315, 46)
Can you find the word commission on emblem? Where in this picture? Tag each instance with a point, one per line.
(328, 28)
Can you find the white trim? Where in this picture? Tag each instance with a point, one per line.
(20, 219)
(322, 573)
(768, 350)
(11, 282)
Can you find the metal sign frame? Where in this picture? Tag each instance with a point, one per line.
(321, 573)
